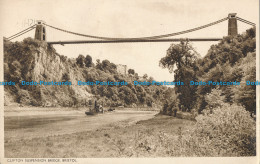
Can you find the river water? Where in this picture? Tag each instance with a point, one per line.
(28, 124)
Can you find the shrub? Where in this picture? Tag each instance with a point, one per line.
(24, 97)
(229, 130)
(214, 100)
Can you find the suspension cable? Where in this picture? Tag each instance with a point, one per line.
(139, 38)
(21, 32)
(10, 38)
(246, 21)
(241, 20)
(151, 37)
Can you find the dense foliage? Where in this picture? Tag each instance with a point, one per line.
(225, 114)
(231, 60)
(226, 131)
(183, 58)
(32, 60)
(127, 95)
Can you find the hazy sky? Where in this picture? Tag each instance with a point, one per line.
(120, 18)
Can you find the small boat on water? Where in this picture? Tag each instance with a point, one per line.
(90, 113)
(93, 109)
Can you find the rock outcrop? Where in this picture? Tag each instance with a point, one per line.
(36, 61)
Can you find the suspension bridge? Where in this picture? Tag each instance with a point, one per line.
(40, 33)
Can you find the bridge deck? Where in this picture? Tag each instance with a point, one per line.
(133, 41)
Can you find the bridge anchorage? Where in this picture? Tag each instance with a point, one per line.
(40, 33)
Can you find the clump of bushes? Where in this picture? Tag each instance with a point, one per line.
(228, 131)
(224, 131)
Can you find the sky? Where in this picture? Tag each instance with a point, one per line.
(120, 18)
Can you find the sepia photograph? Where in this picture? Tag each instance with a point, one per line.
(107, 81)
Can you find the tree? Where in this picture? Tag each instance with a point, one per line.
(145, 76)
(92, 76)
(165, 107)
(151, 79)
(179, 55)
(98, 65)
(215, 99)
(106, 66)
(88, 61)
(127, 95)
(245, 95)
(141, 94)
(15, 69)
(232, 59)
(131, 71)
(136, 76)
(112, 68)
(80, 61)
(149, 101)
(181, 59)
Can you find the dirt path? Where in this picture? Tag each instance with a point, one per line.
(34, 124)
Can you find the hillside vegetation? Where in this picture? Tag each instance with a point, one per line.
(32, 60)
(232, 59)
(224, 114)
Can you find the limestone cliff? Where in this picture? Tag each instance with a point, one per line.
(32, 60)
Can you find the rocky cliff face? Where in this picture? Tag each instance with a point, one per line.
(36, 61)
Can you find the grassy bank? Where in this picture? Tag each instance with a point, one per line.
(228, 131)
(116, 140)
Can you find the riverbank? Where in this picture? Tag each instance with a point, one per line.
(118, 138)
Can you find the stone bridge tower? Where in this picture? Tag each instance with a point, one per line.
(40, 31)
(232, 24)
